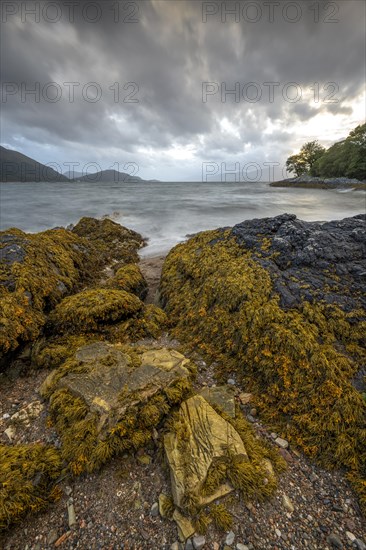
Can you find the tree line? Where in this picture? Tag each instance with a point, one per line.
(346, 158)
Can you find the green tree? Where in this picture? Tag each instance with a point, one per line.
(346, 158)
(303, 162)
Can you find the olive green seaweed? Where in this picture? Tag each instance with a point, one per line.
(299, 362)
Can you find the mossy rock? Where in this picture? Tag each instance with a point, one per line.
(130, 279)
(299, 362)
(107, 399)
(36, 272)
(208, 457)
(149, 322)
(86, 311)
(53, 352)
(113, 241)
(28, 475)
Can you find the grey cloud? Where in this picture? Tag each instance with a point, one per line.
(169, 53)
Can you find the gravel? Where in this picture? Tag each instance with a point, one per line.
(114, 507)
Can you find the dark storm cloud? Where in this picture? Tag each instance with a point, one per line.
(168, 53)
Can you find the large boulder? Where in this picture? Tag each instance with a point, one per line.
(310, 261)
(90, 309)
(280, 303)
(38, 270)
(129, 278)
(108, 399)
(113, 241)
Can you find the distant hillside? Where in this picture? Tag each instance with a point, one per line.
(17, 167)
(108, 176)
(72, 174)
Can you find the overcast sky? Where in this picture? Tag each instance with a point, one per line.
(146, 83)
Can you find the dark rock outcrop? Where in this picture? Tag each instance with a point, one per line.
(310, 260)
(321, 183)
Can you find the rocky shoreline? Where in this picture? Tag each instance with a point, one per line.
(320, 183)
(124, 425)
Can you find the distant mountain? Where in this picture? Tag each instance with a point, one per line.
(72, 174)
(17, 167)
(109, 176)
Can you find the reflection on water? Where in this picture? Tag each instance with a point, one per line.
(166, 212)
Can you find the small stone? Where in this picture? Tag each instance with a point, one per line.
(52, 536)
(6, 416)
(287, 503)
(62, 539)
(174, 546)
(189, 545)
(278, 533)
(274, 435)
(71, 513)
(230, 537)
(216, 546)
(154, 511)
(286, 455)
(144, 459)
(199, 542)
(350, 536)
(251, 418)
(68, 490)
(281, 442)
(360, 544)
(137, 504)
(245, 398)
(253, 411)
(231, 381)
(335, 541)
(10, 432)
(240, 546)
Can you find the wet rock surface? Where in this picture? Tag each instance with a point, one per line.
(138, 394)
(37, 271)
(310, 260)
(207, 436)
(105, 401)
(279, 305)
(322, 183)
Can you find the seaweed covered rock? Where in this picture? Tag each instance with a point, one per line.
(130, 279)
(28, 475)
(149, 322)
(210, 454)
(50, 353)
(112, 241)
(89, 310)
(115, 315)
(107, 399)
(281, 303)
(36, 271)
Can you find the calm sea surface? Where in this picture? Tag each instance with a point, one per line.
(167, 212)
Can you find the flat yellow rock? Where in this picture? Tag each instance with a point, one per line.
(207, 436)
